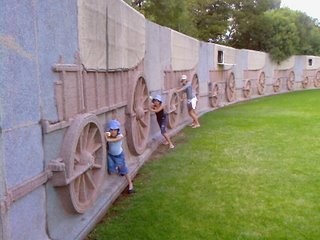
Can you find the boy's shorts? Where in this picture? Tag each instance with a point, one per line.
(117, 164)
(163, 122)
(192, 103)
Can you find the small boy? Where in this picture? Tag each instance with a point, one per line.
(191, 100)
(162, 118)
(115, 158)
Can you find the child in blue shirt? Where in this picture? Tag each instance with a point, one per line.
(115, 158)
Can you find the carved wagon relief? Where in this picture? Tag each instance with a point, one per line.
(310, 77)
(285, 79)
(81, 95)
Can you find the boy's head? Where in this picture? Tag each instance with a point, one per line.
(157, 98)
(114, 127)
(183, 79)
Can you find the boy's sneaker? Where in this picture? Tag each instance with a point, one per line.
(171, 146)
(130, 191)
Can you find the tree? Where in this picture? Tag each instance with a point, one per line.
(283, 38)
(250, 24)
(211, 19)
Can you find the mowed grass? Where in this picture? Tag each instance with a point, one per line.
(252, 171)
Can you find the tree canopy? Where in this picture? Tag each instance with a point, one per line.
(250, 24)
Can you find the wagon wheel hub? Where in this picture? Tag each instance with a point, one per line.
(86, 158)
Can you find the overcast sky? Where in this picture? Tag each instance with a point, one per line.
(307, 6)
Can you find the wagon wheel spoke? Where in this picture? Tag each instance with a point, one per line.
(92, 134)
(143, 123)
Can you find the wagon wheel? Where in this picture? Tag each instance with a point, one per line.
(290, 80)
(84, 154)
(247, 89)
(261, 83)
(173, 108)
(230, 88)
(276, 85)
(195, 85)
(213, 95)
(317, 79)
(305, 82)
(138, 121)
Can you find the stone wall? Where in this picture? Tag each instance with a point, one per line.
(68, 67)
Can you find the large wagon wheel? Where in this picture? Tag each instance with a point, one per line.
(261, 83)
(290, 81)
(247, 89)
(138, 121)
(213, 94)
(305, 82)
(230, 87)
(316, 81)
(84, 154)
(195, 85)
(276, 85)
(173, 108)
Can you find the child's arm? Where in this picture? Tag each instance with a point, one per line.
(184, 87)
(154, 109)
(113, 139)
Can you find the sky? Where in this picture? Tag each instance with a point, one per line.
(307, 6)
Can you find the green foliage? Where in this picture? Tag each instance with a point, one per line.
(250, 24)
(250, 172)
(211, 19)
(283, 37)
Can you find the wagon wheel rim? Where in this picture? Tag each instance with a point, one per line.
(173, 111)
(195, 85)
(214, 95)
(317, 79)
(139, 117)
(84, 153)
(262, 82)
(230, 87)
(290, 81)
(276, 85)
(247, 89)
(305, 82)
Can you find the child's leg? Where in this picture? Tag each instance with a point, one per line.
(166, 136)
(130, 184)
(194, 117)
(111, 165)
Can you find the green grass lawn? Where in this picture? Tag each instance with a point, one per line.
(252, 171)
